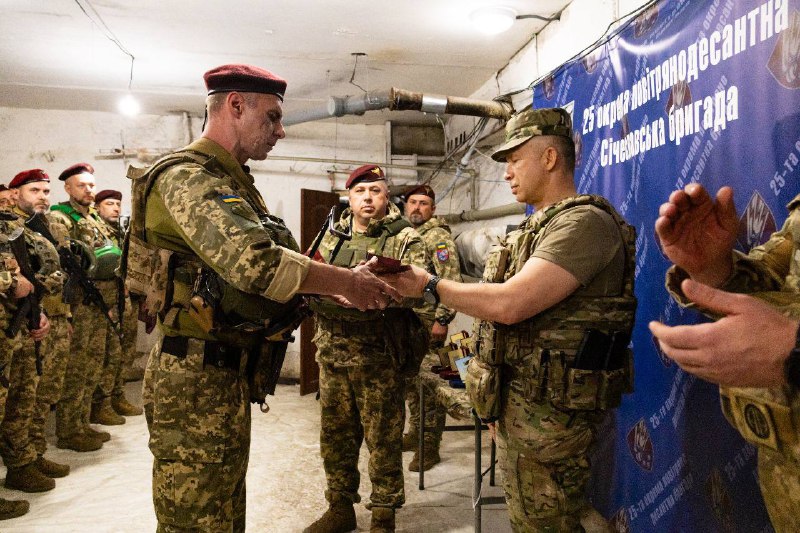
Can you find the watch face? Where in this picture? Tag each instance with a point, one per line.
(429, 297)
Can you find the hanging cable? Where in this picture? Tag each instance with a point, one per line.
(98, 21)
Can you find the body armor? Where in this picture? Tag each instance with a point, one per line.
(540, 351)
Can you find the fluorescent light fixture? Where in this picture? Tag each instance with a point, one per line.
(129, 106)
(493, 20)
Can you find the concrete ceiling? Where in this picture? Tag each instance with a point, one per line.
(55, 56)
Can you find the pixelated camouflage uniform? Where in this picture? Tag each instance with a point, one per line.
(111, 383)
(16, 446)
(546, 423)
(362, 379)
(55, 351)
(8, 346)
(443, 259)
(89, 327)
(768, 418)
(198, 414)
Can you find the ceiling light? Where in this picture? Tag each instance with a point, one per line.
(493, 20)
(129, 106)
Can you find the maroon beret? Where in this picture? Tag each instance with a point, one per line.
(105, 194)
(422, 189)
(244, 78)
(366, 173)
(78, 168)
(28, 176)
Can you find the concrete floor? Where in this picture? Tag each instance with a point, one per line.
(108, 491)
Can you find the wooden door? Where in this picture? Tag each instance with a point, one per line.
(315, 206)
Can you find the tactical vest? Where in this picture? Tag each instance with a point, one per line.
(106, 257)
(540, 351)
(350, 255)
(165, 278)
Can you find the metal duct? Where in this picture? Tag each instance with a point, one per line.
(396, 99)
(485, 214)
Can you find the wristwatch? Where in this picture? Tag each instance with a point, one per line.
(443, 321)
(429, 293)
(791, 368)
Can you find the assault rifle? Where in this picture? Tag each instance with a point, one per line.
(73, 268)
(30, 307)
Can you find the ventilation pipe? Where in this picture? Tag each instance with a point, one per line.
(485, 214)
(396, 99)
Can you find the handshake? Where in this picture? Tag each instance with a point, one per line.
(379, 281)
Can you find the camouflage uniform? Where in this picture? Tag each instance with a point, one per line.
(111, 383)
(203, 210)
(89, 327)
(769, 418)
(55, 351)
(16, 446)
(548, 412)
(362, 378)
(443, 256)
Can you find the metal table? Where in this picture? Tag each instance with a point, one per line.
(456, 401)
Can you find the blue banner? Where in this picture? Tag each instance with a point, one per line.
(688, 91)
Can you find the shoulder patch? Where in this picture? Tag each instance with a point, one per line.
(230, 198)
(442, 253)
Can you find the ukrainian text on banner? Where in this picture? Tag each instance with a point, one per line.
(690, 90)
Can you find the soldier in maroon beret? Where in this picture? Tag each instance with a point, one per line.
(33, 191)
(108, 203)
(74, 170)
(366, 174)
(210, 214)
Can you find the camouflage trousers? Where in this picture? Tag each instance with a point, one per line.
(55, 356)
(7, 349)
(435, 413)
(545, 464)
(88, 347)
(779, 478)
(199, 422)
(358, 403)
(16, 448)
(111, 383)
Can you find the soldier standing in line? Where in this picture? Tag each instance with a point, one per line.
(33, 197)
(108, 204)
(27, 471)
(6, 198)
(13, 286)
(89, 325)
(753, 351)
(557, 300)
(443, 256)
(215, 267)
(364, 360)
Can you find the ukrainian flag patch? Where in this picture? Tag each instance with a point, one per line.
(230, 198)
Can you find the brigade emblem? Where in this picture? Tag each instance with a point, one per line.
(720, 499)
(757, 223)
(591, 60)
(644, 22)
(549, 87)
(641, 445)
(679, 96)
(620, 521)
(442, 253)
(784, 63)
(578, 140)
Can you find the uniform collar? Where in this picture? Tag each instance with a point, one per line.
(223, 157)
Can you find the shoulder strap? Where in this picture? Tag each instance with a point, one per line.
(68, 210)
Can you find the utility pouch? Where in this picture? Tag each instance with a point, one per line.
(484, 384)
(406, 339)
(147, 274)
(204, 300)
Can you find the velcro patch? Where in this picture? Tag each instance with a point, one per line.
(442, 253)
(230, 198)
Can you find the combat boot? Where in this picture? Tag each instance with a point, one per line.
(103, 413)
(410, 441)
(102, 436)
(123, 407)
(28, 479)
(13, 508)
(79, 443)
(51, 469)
(339, 518)
(431, 458)
(382, 520)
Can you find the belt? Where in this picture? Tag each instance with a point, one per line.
(360, 328)
(215, 354)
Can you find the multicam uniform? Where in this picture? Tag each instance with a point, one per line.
(55, 353)
(768, 418)
(548, 411)
(364, 359)
(202, 211)
(16, 446)
(443, 256)
(8, 270)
